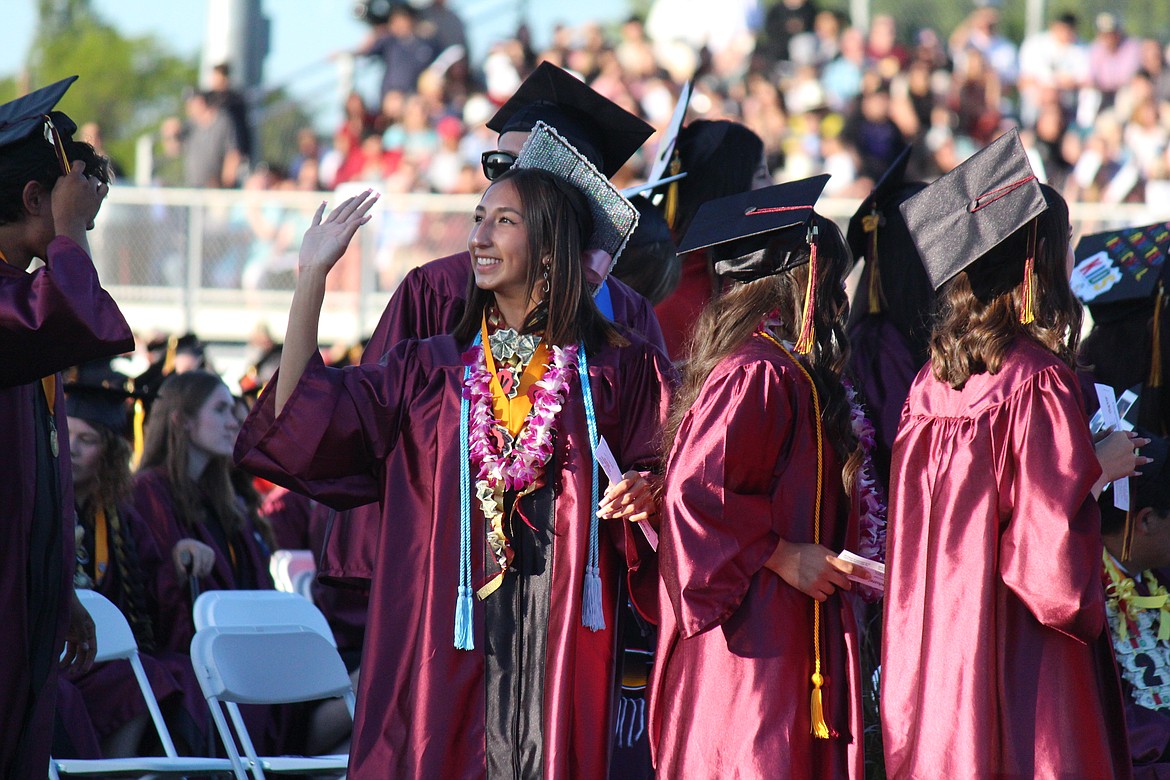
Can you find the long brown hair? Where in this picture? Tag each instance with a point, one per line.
(167, 445)
(729, 320)
(557, 220)
(978, 312)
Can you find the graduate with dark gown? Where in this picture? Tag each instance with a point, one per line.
(1137, 593)
(757, 670)
(889, 321)
(493, 627)
(995, 658)
(50, 318)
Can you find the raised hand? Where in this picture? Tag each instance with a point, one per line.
(76, 201)
(327, 239)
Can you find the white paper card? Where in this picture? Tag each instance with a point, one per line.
(865, 571)
(613, 472)
(1110, 419)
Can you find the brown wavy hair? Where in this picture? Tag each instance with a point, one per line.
(978, 311)
(729, 320)
(167, 445)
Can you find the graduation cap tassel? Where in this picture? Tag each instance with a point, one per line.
(139, 430)
(875, 286)
(1028, 312)
(464, 636)
(804, 342)
(592, 616)
(1155, 378)
(670, 207)
(1127, 537)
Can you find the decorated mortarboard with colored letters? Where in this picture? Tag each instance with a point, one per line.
(866, 222)
(967, 213)
(599, 129)
(1120, 265)
(32, 115)
(738, 227)
(614, 217)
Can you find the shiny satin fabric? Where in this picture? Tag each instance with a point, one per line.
(730, 691)
(51, 319)
(389, 433)
(995, 659)
(429, 302)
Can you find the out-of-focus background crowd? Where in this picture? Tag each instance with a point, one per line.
(219, 173)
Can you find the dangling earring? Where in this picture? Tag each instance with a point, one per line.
(544, 273)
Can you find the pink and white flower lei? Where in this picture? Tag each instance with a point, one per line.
(518, 468)
(873, 505)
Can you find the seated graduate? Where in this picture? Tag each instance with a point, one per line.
(52, 317)
(994, 609)
(497, 587)
(1137, 604)
(1121, 275)
(757, 644)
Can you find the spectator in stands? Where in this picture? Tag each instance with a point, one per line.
(209, 148)
(980, 32)
(1054, 66)
(442, 27)
(404, 54)
(784, 21)
(842, 76)
(1114, 57)
(883, 44)
(232, 103)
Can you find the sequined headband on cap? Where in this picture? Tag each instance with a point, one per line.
(614, 217)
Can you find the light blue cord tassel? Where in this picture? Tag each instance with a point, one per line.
(591, 615)
(464, 632)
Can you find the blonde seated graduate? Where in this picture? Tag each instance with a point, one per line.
(498, 581)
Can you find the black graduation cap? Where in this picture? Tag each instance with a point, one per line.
(871, 214)
(600, 129)
(100, 395)
(32, 115)
(1120, 265)
(967, 213)
(737, 227)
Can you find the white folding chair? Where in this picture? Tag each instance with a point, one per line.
(268, 665)
(291, 569)
(226, 608)
(116, 641)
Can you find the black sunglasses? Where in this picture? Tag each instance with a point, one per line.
(496, 163)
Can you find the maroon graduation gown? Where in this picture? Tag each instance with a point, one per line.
(430, 302)
(53, 318)
(390, 433)
(730, 692)
(995, 658)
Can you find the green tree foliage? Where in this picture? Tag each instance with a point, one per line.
(127, 85)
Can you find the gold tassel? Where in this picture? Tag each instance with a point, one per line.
(820, 727)
(1155, 378)
(875, 286)
(804, 342)
(670, 207)
(169, 360)
(139, 427)
(1127, 537)
(1028, 314)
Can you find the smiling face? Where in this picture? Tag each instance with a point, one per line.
(213, 430)
(499, 243)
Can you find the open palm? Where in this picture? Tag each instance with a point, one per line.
(327, 239)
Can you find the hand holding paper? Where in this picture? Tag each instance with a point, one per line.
(634, 493)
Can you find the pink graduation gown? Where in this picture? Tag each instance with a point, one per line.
(995, 658)
(730, 692)
(389, 432)
(53, 318)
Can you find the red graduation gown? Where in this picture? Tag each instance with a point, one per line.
(730, 693)
(390, 433)
(53, 318)
(430, 302)
(995, 658)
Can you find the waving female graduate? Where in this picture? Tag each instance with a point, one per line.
(491, 644)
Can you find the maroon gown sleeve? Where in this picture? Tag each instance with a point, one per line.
(634, 310)
(336, 428)
(57, 316)
(1050, 552)
(721, 524)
